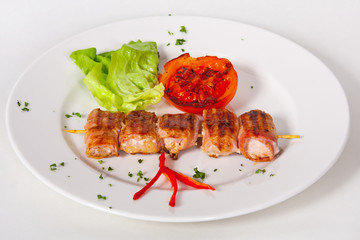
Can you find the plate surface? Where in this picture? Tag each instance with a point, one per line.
(275, 75)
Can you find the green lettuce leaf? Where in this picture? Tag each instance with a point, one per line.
(124, 79)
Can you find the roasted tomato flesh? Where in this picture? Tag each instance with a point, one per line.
(194, 84)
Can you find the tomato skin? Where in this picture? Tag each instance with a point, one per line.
(194, 84)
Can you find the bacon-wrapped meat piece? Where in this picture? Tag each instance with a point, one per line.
(220, 129)
(139, 135)
(101, 133)
(178, 132)
(257, 136)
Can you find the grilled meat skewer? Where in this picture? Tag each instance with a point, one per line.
(139, 135)
(178, 132)
(220, 128)
(257, 136)
(101, 133)
(253, 134)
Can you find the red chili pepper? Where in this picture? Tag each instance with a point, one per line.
(138, 194)
(171, 176)
(191, 182)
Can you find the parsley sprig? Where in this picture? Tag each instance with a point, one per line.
(199, 174)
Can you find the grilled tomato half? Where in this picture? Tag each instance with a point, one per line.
(194, 84)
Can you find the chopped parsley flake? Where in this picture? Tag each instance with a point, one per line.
(183, 29)
(260, 171)
(180, 41)
(99, 196)
(24, 109)
(215, 170)
(168, 44)
(170, 33)
(101, 176)
(183, 50)
(101, 161)
(110, 169)
(199, 174)
(146, 179)
(140, 160)
(110, 185)
(130, 174)
(271, 175)
(54, 166)
(68, 116)
(76, 114)
(140, 175)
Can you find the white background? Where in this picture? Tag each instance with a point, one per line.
(329, 209)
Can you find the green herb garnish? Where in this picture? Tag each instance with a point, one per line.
(140, 175)
(180, 41)
(260, 171)
(76, 114)
(99, 196)
(140, 160)
(183, 29)
(101, 176)
(199, 174)
(130, 174)
(110, 169)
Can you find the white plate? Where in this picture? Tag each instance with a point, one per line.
(275, 75)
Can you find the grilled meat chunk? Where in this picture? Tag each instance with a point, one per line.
(219, 130)
(101, 133)
(257, 136)
(139, 135)
(178, 132)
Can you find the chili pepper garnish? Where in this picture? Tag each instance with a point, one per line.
(172, 176)
(192, 182)
(158, 174)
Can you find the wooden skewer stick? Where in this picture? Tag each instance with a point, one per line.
(75, 131)
(279, 136)
(288, 136)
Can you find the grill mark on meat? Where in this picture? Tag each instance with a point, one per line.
(257, 127)
(220, 129)
(102, 131)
